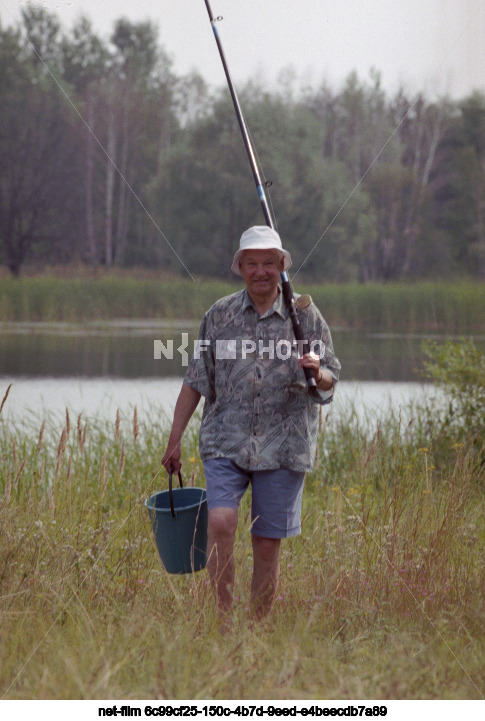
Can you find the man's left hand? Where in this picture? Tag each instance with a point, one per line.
(323, 378)
(311, 360)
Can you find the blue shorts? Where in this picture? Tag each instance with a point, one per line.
(276, 495)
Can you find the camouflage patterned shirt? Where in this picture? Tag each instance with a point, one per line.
(257, 409)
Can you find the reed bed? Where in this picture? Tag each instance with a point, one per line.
(454, 308)
(381, 597)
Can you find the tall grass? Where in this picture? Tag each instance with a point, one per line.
(107, 297)
(430, 306)
(454, 308)
(382, 596)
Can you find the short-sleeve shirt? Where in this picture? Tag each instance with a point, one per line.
(258, 411)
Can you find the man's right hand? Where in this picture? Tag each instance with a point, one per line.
(173, 454)
(184, 408)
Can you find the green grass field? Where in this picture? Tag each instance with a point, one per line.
(381, 597)
(456, 308)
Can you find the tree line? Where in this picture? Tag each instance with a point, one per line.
(107, 157)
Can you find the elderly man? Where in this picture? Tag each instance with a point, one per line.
(259, 424)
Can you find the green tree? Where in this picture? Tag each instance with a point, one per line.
(204, 194)
(124, 93)
(464, 194)
(138, 120)
(43, 32)
(85, 61)
(36, 177)
(458, 368)
(219, 201)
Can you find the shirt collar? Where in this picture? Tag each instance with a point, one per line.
(278, 306)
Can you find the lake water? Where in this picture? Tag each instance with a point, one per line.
(96, 369)
(124, 349)
(33, 399)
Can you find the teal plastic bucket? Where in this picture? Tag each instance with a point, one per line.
(179, 522)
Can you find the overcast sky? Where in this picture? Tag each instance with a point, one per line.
(437, 46)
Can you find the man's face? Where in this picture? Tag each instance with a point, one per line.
(260, 270)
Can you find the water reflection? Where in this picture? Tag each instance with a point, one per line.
(371, 357)
(129, 354)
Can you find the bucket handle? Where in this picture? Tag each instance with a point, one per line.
(170, 488)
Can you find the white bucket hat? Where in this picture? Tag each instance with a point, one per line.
(260, 237)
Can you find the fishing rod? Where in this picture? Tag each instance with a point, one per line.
(285, 281)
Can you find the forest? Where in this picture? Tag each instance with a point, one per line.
(108, 158)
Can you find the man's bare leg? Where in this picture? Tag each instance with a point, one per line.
(221, 530)
(266, 570)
